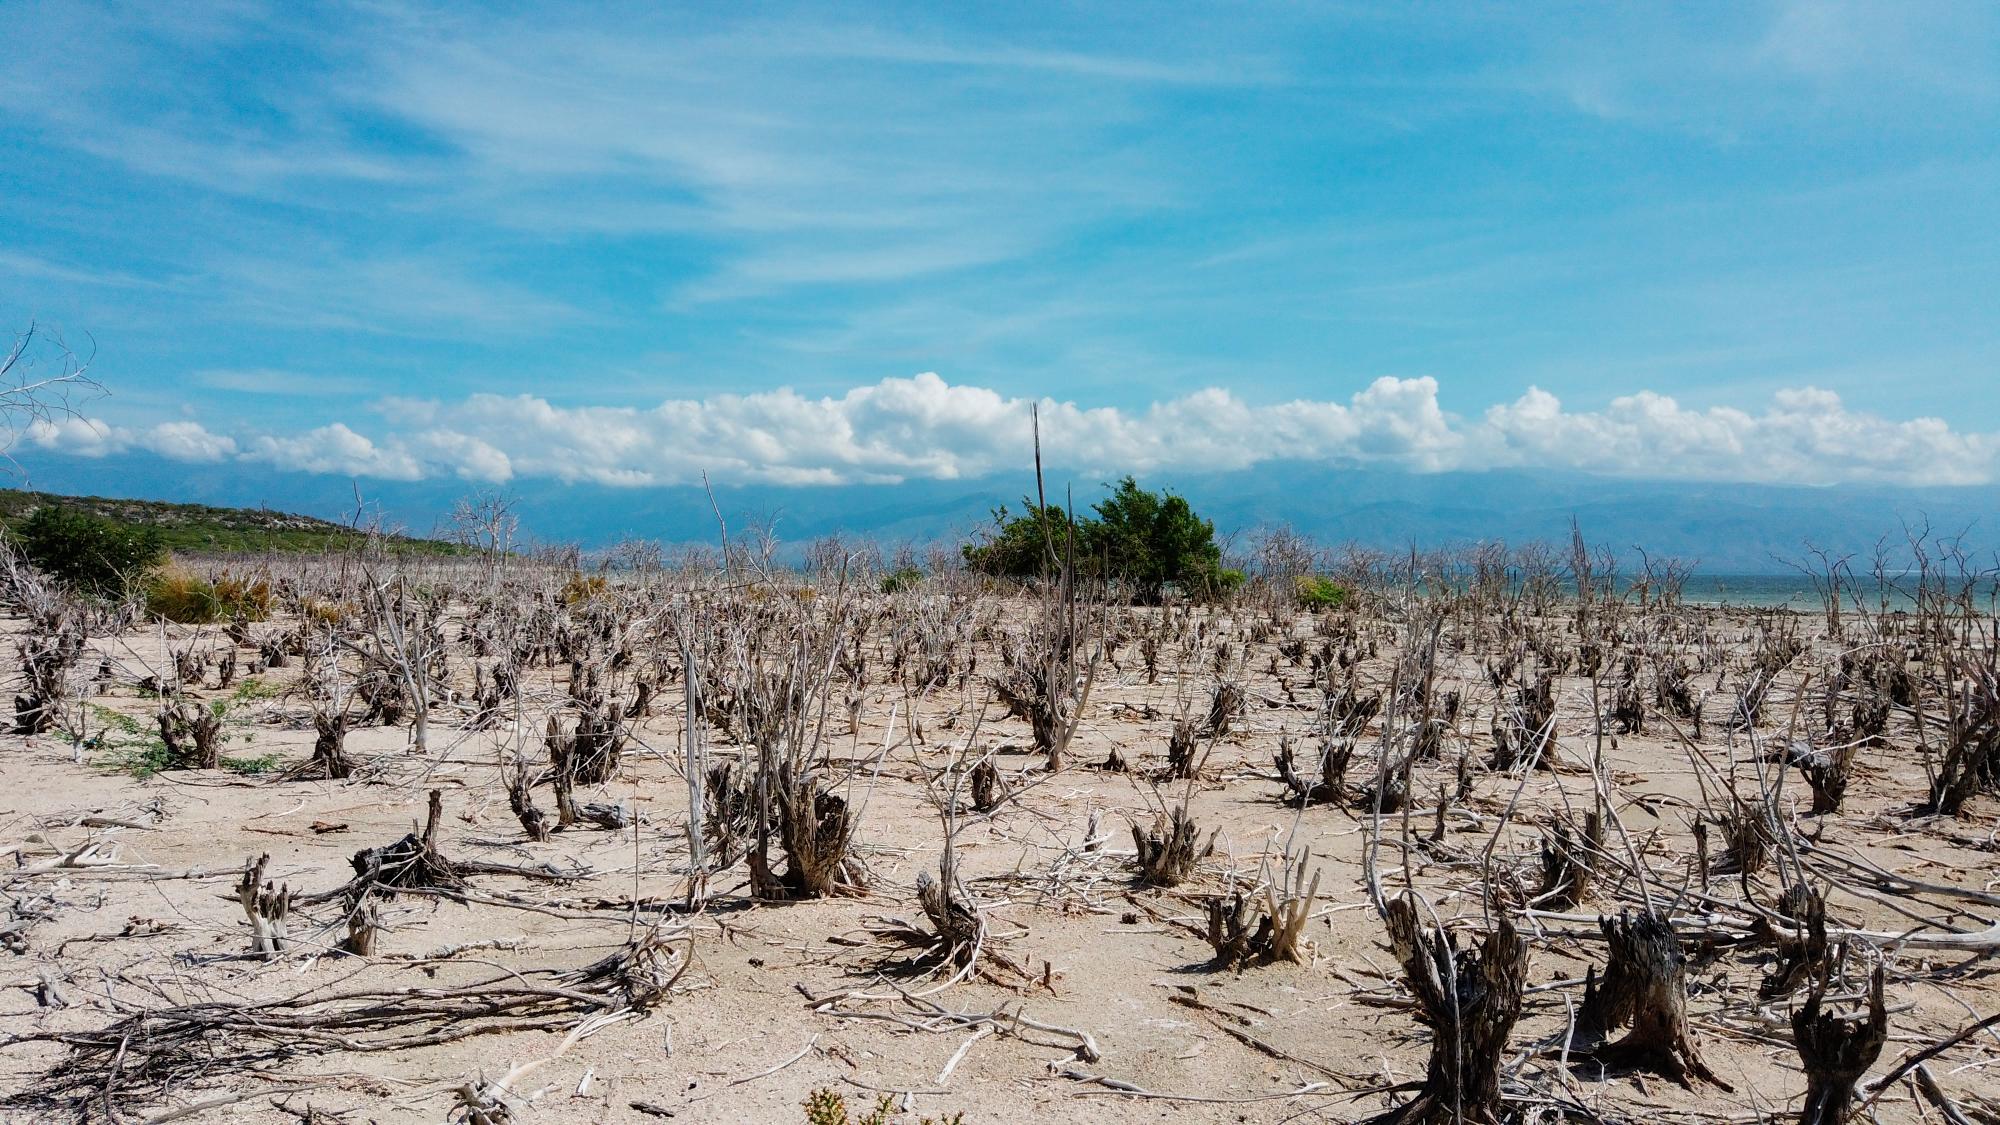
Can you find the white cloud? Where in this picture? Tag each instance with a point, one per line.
(185, 441)
(1806, 436)
(80, 436)
(336, 449)
(926, 428)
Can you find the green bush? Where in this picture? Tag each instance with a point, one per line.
(1320, 592)
(902, 578)
(1028, 545)
(189, 599)
(88, 552)
(1147, 540)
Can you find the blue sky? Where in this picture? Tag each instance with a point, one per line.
(627, 245)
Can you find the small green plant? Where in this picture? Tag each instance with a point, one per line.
(1317, 591)
(825, 1107)
(90, 553)
(902, 578)
(131, 745)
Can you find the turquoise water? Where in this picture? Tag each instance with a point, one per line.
(1796, 592)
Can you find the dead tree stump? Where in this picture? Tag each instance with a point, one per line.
(521, 798)
(1180, 750)
(411, 862)
(1470, 998)
(1166, 852)
(364, 923)
(1569, 861)
(329, 756)
(959, 925)
(192, 736)
(1244, 932)
(1334, 755)
(267, 908)
(988, 790)
(1644, 987)
(1803, 950)
(1836, 1051)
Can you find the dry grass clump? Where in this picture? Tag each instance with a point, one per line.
(186, 598)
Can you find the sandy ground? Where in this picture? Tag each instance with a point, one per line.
(740, 1039)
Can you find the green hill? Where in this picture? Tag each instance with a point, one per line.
(201, 529)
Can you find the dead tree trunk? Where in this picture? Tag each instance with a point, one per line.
(1470, 998)
(1836, 1051)
(1644, 987)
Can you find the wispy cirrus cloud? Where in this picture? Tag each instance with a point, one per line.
(268, 381)
(926, 428)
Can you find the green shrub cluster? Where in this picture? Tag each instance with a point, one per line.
(90, 553)
(902, 578)
(1316, 591)
(1149, 541)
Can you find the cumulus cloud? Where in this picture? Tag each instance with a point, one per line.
(925, 428)
(92, 437)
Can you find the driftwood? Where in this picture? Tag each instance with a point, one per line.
(142, 1056)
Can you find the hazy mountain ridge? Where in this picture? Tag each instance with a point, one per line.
(1727, 528)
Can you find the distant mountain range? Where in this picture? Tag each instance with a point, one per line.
(1725, 528)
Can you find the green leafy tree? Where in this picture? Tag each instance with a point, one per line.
(1146, 541)
(93, 554)
(1151, 539)
(1028, 545)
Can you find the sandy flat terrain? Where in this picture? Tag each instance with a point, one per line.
(779, 999)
